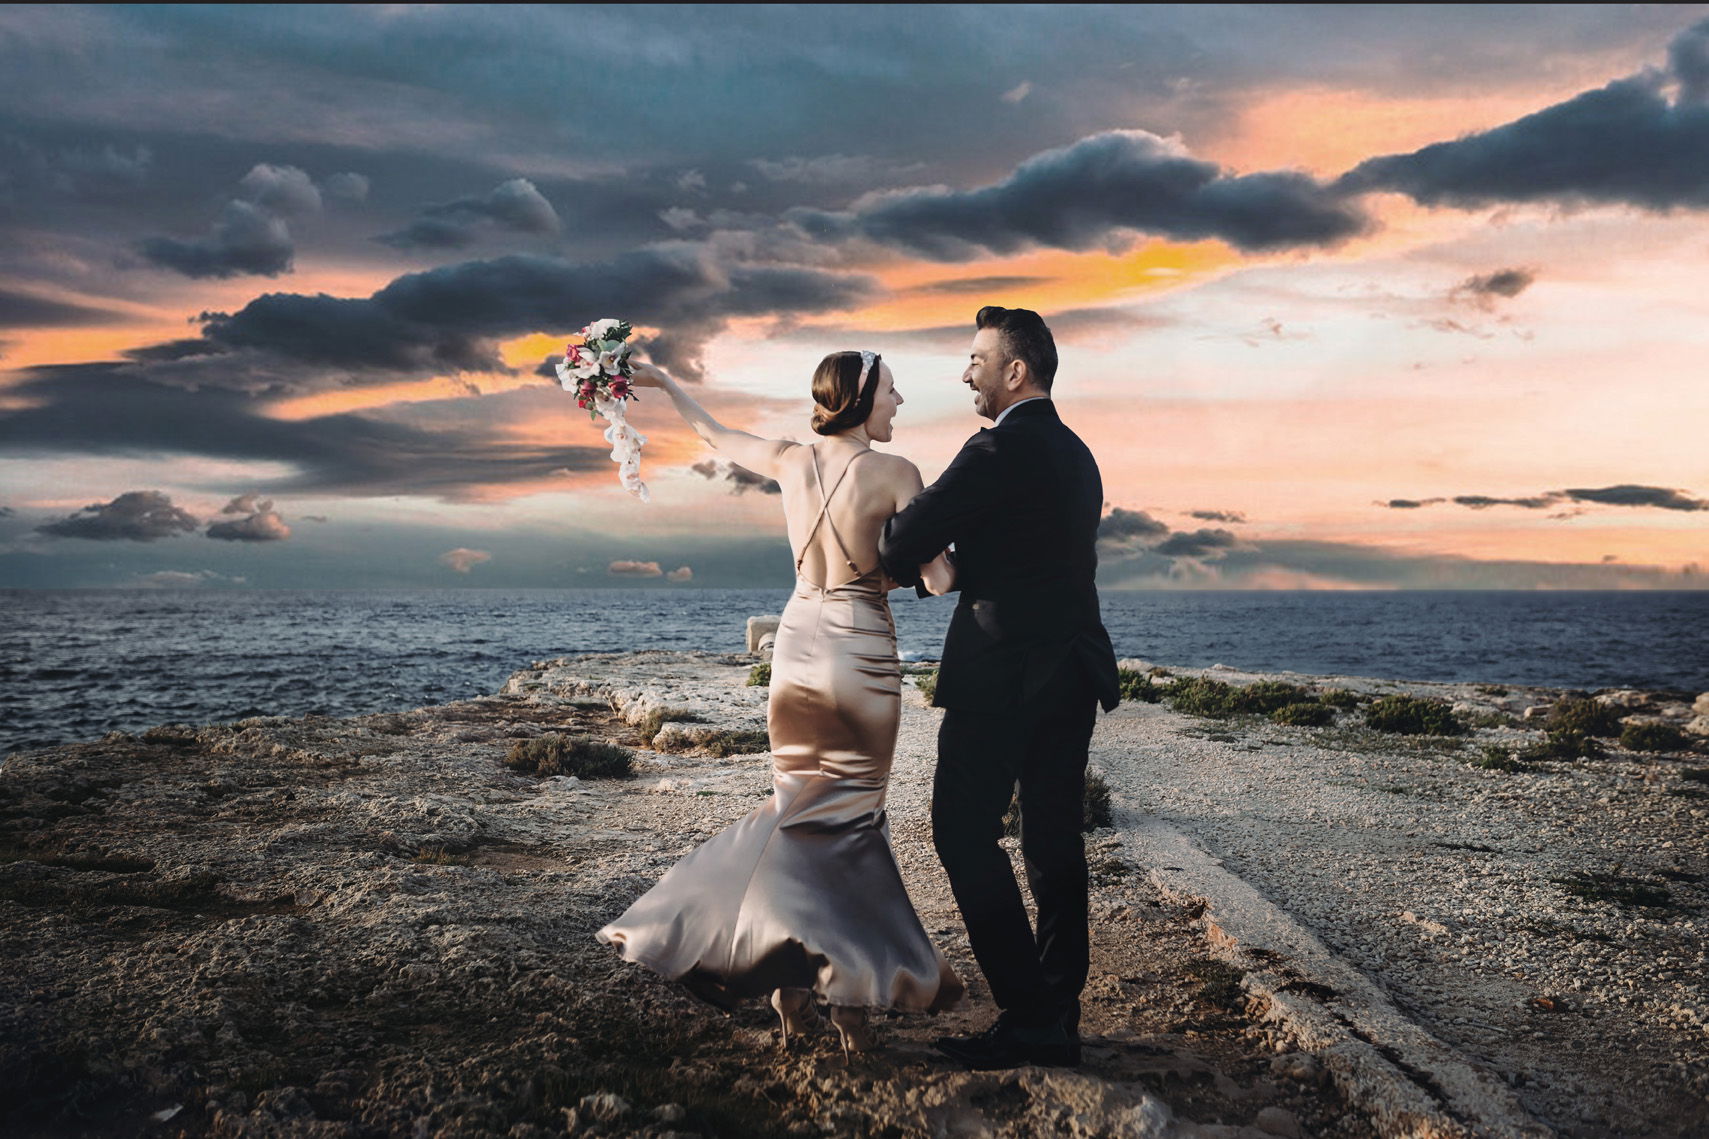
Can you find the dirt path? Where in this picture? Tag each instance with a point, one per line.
(1450, 885)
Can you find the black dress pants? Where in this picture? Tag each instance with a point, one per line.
(1034, 976)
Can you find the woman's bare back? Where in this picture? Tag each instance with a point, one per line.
(864, 487)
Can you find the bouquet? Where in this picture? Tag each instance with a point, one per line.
(597, 370)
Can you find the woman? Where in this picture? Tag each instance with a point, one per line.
(803, 896)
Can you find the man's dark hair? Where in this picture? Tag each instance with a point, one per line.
(1024, 337)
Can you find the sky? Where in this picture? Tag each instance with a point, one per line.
(1346, 296)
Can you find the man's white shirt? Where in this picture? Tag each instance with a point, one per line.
(1004, 414)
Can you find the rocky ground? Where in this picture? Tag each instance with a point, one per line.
(375, 927)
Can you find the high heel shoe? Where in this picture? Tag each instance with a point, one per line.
(793, 1007)
(851, 1026)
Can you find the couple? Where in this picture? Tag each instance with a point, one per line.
(803, 897)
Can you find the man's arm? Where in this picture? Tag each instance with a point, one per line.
(965, 493)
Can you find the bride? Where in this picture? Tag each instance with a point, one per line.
(803, 896)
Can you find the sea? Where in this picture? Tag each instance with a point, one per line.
(76, 664)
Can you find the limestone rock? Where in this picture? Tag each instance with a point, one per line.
(759, 627)
(1698, 725)
(1701, 705)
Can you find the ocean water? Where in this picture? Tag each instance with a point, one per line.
(75, 664)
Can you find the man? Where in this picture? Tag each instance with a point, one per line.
(1026, 662)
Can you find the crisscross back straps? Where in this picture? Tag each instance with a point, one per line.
(825, 517)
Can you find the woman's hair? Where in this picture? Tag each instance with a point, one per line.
(841, 402)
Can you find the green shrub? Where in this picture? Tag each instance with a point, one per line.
(1267, 696)
(1565, 743)
(1304, 715)
(1341, 698)
(1201, 696)
(1498, 758)
(927, 683)
(581, 756)
(1095, 809)
(1414, 716)
(1653, 737)
(735, 741)
(760, 675)
(1136, 685)
(1582, 714)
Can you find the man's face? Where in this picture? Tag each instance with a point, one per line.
(986, 367)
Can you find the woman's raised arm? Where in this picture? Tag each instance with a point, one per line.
(751, 451)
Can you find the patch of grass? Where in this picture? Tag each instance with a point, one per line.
(1094, 809)
(759, 676)
(1582, 714)
(735, 741)
(1414, 716)
(1268, 696)
(439, 856)
(1653, 737)
(1201, 696)
(581, 756)
(1341, 698)
(1304, 715)
(927, 683)
(1136, 685)
(1492, 690)
(1612, 886)
(1565, 743)
(659, 717)
(1497, 758)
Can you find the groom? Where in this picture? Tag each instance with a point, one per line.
(1026, 663)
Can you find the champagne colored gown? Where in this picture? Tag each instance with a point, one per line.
(804, 892)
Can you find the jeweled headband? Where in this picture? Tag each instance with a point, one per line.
(867, 385)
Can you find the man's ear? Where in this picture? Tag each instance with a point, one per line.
(1017, 377)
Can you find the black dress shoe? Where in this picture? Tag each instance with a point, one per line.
(1010, 1045)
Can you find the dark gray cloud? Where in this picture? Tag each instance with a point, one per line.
(1484, 501)
(447, 319)
(135, 516)
(1233, 516)
(118, 410)
(1126, 527)
(247, 240)
(1099, 193)
(1484, 289)
(22, 310)
(250, 237)
(348, 186)
(741, 479)
(979, 286)
(515, 205)
(1067, 326)
(1627, 494)
(1196, 544)
(1641, 141)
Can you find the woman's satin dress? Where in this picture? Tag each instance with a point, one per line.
(805, 892)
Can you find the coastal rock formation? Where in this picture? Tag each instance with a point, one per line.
(374, 926)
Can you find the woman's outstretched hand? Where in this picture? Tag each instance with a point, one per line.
(644, 375)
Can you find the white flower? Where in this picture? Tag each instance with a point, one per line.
(598, 329)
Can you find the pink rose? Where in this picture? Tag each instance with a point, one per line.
(587, 387)
(581, 403)
(619, 388)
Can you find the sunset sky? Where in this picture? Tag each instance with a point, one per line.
(1346, 296)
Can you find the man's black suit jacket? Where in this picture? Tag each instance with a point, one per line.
(1021, 503)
